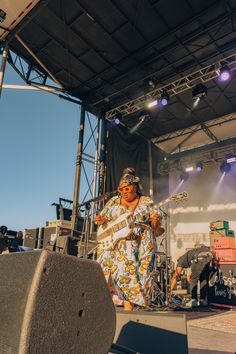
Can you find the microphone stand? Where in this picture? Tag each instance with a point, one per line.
(166, 217)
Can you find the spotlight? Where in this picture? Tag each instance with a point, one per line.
(184, 176)
(224, 72)
(189, 169)
(164, 98)
(225, 167)
(152, 104)
(117, 118)
(231, 159)
(151, 83)
(199, 166)
(199, 92)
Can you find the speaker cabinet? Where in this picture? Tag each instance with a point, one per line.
(31, 238)
(49, 234)
(53, 304)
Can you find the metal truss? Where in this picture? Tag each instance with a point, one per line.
(30, 74)
(89, 158)
(185, 83)
(195, 128)
(211, 155)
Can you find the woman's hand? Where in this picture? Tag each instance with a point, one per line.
(100, 219)
(154, 219)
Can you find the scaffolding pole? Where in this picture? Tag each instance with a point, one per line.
(3, 67)
(95, 172)
(150, 168)
(102, 162)
(75, 212)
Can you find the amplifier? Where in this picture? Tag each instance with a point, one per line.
(31, 237)
(222, 233)
(226, 254)
(219, 225)
(49, 234)
(222, 242)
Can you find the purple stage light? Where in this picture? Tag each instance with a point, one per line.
(164, 98)
(224, 72)
(164, 101)
(199, 166)
(225, 75)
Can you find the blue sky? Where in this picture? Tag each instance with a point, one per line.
(38, 145)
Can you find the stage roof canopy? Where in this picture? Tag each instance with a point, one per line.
(110, 52)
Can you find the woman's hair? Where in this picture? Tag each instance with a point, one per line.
(128, 176)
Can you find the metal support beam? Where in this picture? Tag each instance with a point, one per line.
(95, 172)
(150, 168)
(182, 142)
(185, 83)
(201, 149)
(195, 128)
(102, 163)
(3, 67)
(37, 59)
(75, 212)
(209, 133)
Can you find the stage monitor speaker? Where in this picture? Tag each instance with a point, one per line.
(151, 332)
(53, 304)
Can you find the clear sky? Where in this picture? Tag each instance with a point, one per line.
(38, 146)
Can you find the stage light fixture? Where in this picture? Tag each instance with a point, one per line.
(231, 159)
(199, 166)
(117, 118)
(164, 98)
(199, 92)
(224, 72)
(189, 169)
(184, 176)
(152, 104)
(225, 167)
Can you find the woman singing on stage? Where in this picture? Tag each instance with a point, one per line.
(128, 265)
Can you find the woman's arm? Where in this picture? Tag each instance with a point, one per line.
(105, 215)
(155, 222)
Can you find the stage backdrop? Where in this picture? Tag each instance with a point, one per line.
(131, 150)
(211, 197)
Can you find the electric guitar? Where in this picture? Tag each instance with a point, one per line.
(110, 233)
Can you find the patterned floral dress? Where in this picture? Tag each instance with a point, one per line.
(129, 263)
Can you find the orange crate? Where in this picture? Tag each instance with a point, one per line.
(225, 254)
(222, 242)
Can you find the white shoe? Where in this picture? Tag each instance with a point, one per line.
(192, 303)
